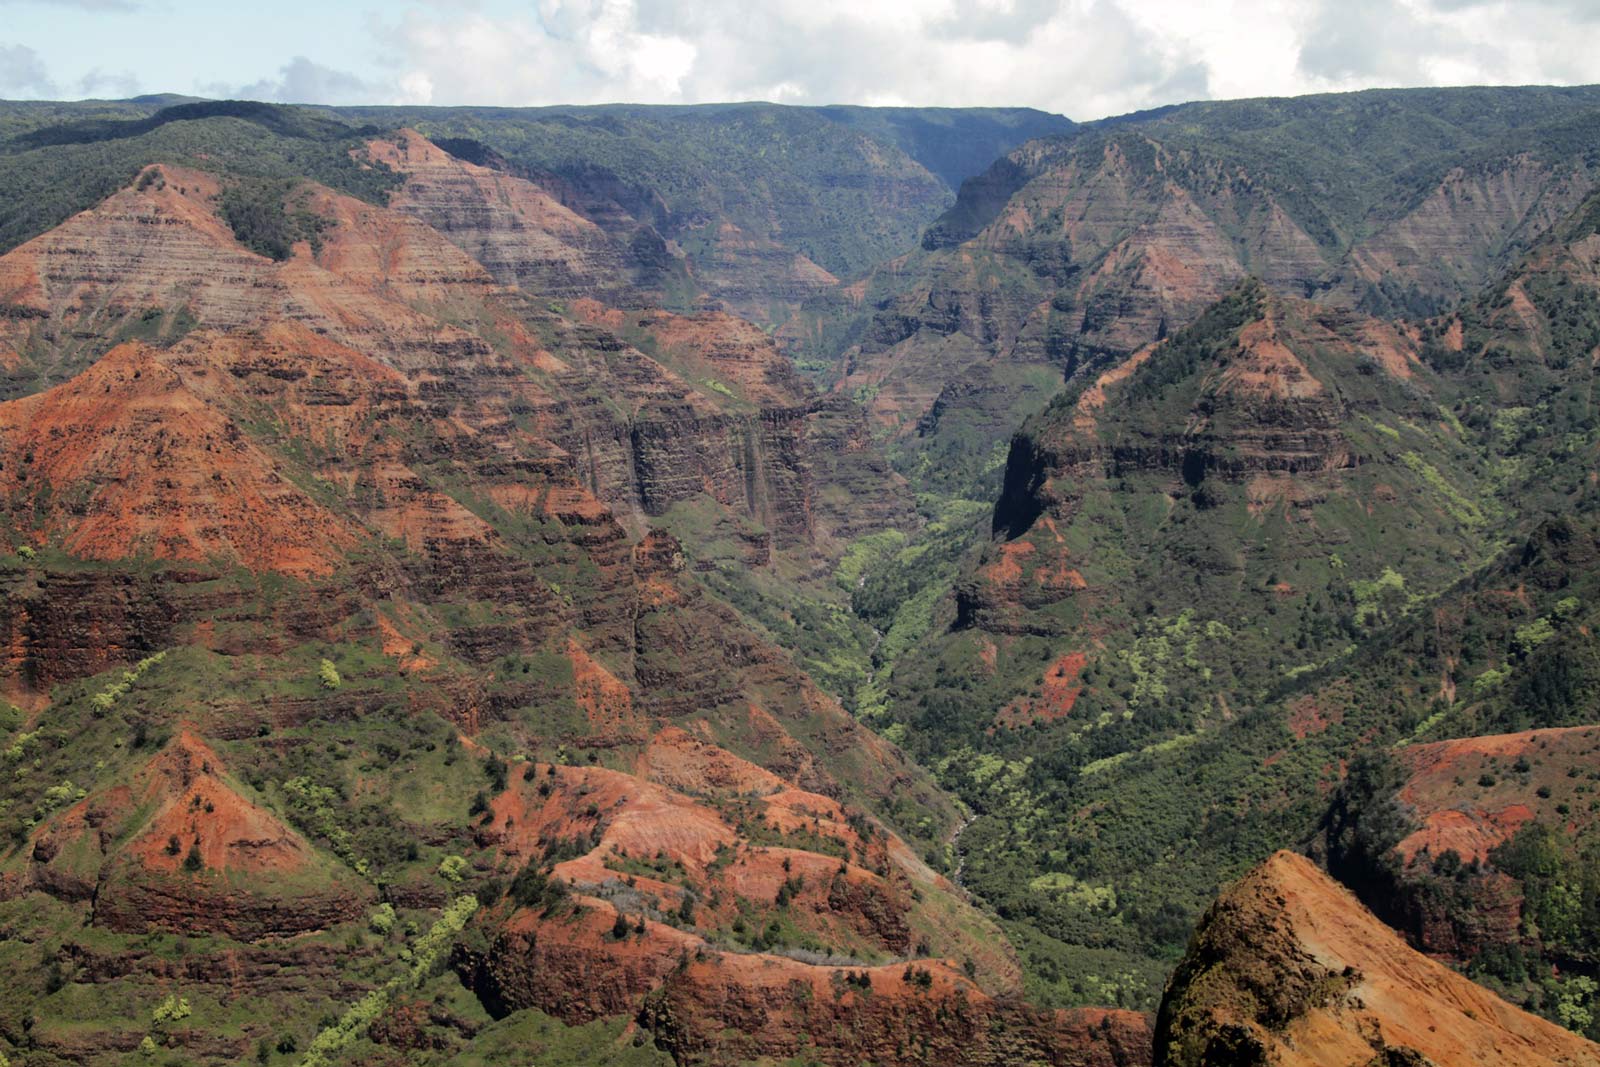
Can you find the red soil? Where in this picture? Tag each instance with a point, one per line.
(195, 805)
(1059, 691)
(164, 471)
(1351, 987)
(1444, 792)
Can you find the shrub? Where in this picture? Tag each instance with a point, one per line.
(193, 861)
(171, 1010)
(452, 868)
(328, 675)
(381, 921)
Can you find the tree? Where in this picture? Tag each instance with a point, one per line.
(328, 675)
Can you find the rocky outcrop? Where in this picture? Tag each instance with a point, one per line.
(1452, 240)
(308, 410)
(1072, 253)
(521, 234)
(1288, 968)
(1464, 798)
(1267, 409)
(158, 471)
(733, 1010)
(178, 848)
(710, 1007)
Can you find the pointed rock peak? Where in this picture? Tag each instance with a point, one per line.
(186, 758)
(1289, 969)
(202, 811)
(406, 151)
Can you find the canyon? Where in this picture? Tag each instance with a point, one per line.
(783, 585)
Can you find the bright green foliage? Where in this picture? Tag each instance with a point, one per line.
(171, 1010)
(328, 675)
(1576, 1003)
(107, 698)
(427, 954)
(381, 921)
(1380, 601)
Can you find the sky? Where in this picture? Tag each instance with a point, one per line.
(1081, 58)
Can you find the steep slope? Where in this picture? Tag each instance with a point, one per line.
(1235, 449)
(1075, 251)
(1289, 968)
(1472, 824)
(155, 261)
(158, 471)
(1521, 357)
(750, 208)
(1178, 540)
(177, 847)
(62, 158)
(521, 234)
(843, 187)
(710, 912)
(370, 511)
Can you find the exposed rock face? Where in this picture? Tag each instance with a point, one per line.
(1264, 410)
(178, 848)
(709, 1007)
(1097, 251)
(379, 446)
(1075, 252)
(374, 446)
(731, 1010)
(1472, 829)
(1451, 242)
(69, 625)
(161, 472)
(755, 275)
(1288, 968)
(521, 234)
(718, 413)
(1459, 821)
(333, 346)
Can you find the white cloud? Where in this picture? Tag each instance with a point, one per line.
(300, 81)
(1491, 42)
(81, 5)
(23, 73)
(1083, 58)
(108, 84)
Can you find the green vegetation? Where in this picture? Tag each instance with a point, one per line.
(427, 955)
(328, 674)
(54, 171)
(847, 187)
(268, 215)
(1161, 657)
